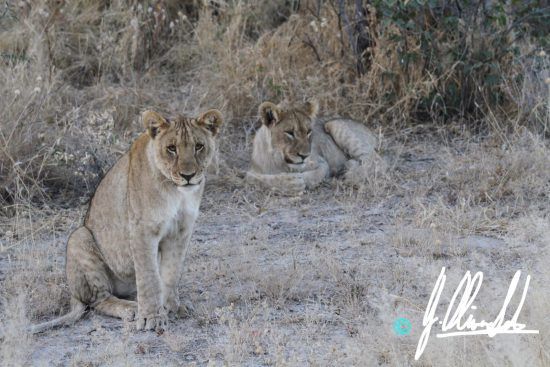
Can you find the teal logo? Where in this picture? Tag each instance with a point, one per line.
(402, 326)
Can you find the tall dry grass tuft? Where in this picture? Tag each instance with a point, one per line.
(487, 184)
(61, 63)
(296, 60)
(15, 343)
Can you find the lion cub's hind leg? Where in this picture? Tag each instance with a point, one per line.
(359, 144)
(116, 307)
(89, 280)
(353, 138)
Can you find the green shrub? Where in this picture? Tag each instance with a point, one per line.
(468, 49)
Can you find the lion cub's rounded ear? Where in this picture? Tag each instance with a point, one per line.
(269, 113)
(211, 120)
(312, 108)
(153, 122)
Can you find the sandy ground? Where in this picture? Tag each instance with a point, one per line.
(312, 280)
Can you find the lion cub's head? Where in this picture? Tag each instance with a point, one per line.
(183, 146)
(290, 128)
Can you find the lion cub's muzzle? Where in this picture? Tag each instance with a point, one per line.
(187, 179)
(297, 160)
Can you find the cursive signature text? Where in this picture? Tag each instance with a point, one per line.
(457, 323)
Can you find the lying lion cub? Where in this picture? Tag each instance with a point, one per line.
(293, 150)
(139, 223)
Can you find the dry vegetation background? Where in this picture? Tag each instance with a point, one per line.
(458, 93)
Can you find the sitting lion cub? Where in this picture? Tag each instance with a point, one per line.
(293, 150)
(139, 223)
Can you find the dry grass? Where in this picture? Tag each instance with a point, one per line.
(65, 62)
(316, 279)
(15, 350)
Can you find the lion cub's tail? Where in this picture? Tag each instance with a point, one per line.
(78, 309)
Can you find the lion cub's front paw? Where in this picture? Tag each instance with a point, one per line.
(291, 185)
(152, 321)
(129, 314)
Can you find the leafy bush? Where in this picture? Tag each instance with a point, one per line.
(467, 48)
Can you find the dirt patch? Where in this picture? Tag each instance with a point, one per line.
(316, 279)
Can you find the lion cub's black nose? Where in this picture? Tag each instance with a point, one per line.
(187, 177)
(303, 156)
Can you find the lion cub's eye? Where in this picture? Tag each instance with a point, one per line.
(199, 147)
(290, 134)
(171, 149)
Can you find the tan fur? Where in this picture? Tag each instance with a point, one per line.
(293, 150)
(139, 223)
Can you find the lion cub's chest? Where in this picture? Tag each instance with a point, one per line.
(181, 211)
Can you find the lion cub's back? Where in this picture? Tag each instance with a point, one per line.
(110, 196)
(353, 130)
(339, 139)
(107, 216)
(324, 145)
